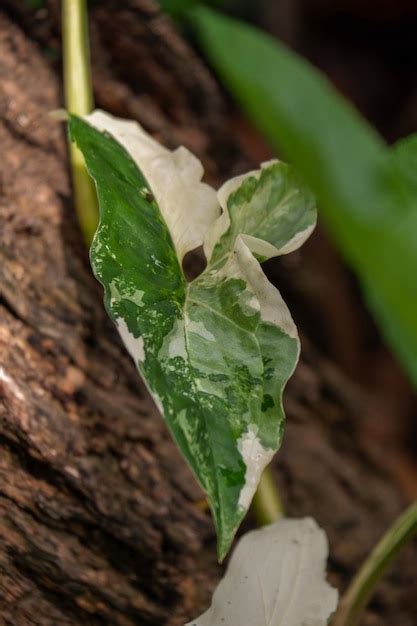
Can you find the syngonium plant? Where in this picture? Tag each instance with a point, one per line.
(217, 351)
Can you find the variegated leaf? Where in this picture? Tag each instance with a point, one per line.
(215, 352)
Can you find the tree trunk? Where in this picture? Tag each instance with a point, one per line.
(101, 521)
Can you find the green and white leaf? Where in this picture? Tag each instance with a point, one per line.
(215, 352)
(276, 577)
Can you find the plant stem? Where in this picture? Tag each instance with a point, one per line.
(363, 585)
(79, 100)
(266, 505)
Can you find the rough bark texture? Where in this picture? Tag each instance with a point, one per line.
(100, 520)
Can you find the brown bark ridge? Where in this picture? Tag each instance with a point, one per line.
(101, 522)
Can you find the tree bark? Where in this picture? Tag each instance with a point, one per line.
(101, 521)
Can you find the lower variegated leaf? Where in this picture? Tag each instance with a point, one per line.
(276, 577)
(216, 352)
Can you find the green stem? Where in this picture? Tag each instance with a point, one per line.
(363, 585)
(266, 505)
(79, 100)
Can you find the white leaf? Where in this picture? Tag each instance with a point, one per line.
(276, 577)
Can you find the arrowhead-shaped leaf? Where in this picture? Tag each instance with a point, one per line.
(276, 577)
(215, 352)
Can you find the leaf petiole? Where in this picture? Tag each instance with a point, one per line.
(363, 585)
(267, 506)
(79, 100)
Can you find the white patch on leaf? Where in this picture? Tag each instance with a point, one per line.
(260, 247)
(272, 307)
(199, 329)
(297, 241)
(222, 223)
(276, 577)
(133, 344)
(188, 206)
(174, 343)
(135, 296)
(254, 304)
(256, 458)
(115, 295)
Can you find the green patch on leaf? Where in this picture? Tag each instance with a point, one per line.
(216, 352)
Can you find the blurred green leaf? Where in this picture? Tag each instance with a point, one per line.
(178, 9)
(35, 4)
(404, 158)
(367, 193)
